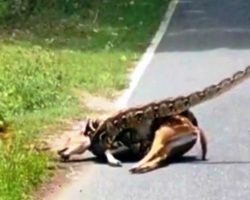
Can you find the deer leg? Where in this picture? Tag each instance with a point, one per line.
(179, 137)
(152, 164)
(203, 143)
(112, 160)
(158, 149)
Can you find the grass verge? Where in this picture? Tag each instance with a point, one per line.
(44, 59)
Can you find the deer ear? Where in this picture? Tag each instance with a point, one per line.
(96, 123)
(90, 126)
(84, 130)
(85, 133)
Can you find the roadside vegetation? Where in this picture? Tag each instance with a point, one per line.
(50, 51)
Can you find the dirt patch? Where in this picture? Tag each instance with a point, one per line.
(96, 106)
(97, 103)
(64, 173)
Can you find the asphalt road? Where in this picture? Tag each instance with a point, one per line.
(206, 41)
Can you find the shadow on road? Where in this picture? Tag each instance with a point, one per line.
(202, 25)
(127, 157)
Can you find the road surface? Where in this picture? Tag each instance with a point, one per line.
(206, 41)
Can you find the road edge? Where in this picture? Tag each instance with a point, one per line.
(140, 68)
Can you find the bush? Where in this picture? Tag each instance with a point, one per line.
(28, 82)
(11, 10)
(20, 170)
(2, 124)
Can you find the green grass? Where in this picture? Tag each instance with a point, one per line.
(47, 57)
